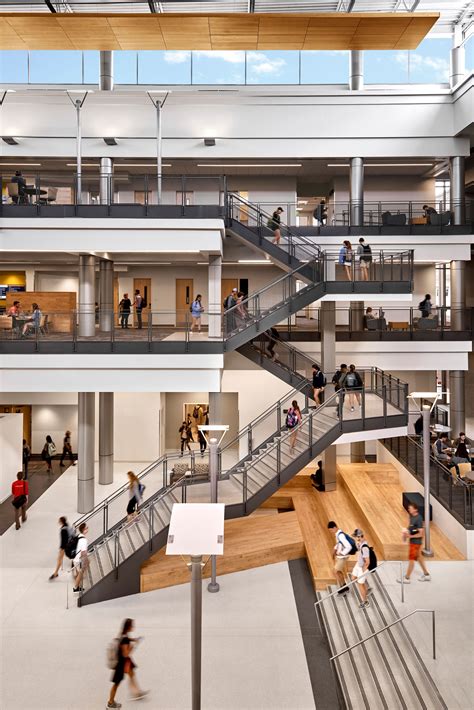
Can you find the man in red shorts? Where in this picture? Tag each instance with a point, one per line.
(414, 536)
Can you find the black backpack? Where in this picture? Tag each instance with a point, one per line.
(352, 542)
(372, 556)
(367, 256)
(70, 550)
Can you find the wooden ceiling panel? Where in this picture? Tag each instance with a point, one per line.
(184, 31)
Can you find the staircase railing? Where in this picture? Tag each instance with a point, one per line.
(256, 219)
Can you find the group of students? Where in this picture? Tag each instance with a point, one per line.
(366, 558)
(186, 430)
(125, 309)
(453, 453)
(30, 323)
(345, 378)
(347, 259)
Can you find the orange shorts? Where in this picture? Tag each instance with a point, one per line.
(414, 552)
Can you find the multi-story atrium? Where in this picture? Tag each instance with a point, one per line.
(236, 369)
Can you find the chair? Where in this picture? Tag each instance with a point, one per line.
(52, 194)
(44, 325)
(427, 323)
(13, 192)
(440, 220)
(464, 469)
(376, 324)
(393, 220)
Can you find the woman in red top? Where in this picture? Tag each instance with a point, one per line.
(20, 498)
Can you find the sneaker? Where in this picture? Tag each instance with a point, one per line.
(405, 581)
(53, 576)
(425, 578)
(141, 694)
(364, 605)
(114, 705)
(77, 589)
(343, 589)
(352, 409)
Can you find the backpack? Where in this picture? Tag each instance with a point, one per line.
(70, 550)
(367, 253)
(196, 412)
(113, 654)
(351, 379)
(421, 305)
(51, 449)
(324, 379)
(352, 542)
(141, 489)
(291, 419)
(372, 556)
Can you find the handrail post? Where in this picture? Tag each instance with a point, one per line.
(433, 628)
(402, 583)
(384, 399)
(150, 331)
(249, 440)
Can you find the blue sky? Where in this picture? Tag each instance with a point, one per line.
(429, 63)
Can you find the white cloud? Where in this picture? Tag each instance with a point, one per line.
(231, 57)
(260, 63)
(419, 63)
(176, 57)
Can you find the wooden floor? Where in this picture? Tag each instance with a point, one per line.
(368, 496)
(248, 542)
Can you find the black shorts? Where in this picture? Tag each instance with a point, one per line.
(132, 505)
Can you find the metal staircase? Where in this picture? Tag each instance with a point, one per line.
(375, 660)
(262, 457)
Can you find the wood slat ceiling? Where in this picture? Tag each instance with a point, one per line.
(215, 31)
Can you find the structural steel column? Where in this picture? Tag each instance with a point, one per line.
(106, 181)
(458, 294)
(457, 402)
(106, 296)
(85, 451)
(458, 189)
(215, 296)
(358, 452)
(458, 65)
(356, 190)
(356, 316)
(106, 438)
(356, 70)
(86, 307)
(106, 79)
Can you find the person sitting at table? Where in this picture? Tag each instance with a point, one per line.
(34, 322)
(13, 313)
(462, 453)
(428, 212)
(368, 316)
(21, 182)
(441, 447)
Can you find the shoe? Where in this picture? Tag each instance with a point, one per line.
(17, 527)
(114, 705)
(74, 463)
(364, 605)
(141, 694)
(425, 578)
(405, 581)
(61, 464)
(343, 589)
(53, 576)
(352, 409)
(78, 589)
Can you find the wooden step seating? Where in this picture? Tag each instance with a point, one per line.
(374, 490)
(248, 542)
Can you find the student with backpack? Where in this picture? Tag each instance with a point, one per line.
(135, 495)
(319, 383)
(353, 384)
(345, 547)
(76, 549)
(425, 306)
(293, 419)
(49, 450)
(20, 498)
(66, 533)
(364, 252)
(366, 561)
(274, 223)
(119, 659)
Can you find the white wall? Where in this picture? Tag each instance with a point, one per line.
(11, 442)
(53, 420)
(388, 188)
(56, 281)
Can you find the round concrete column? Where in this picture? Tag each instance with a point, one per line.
(86, 309)
(85, 452)
(457, 406)
(106, 438)
(106, 296)
(458, 189)
(356, 70)
(458, 65)
(356, 185)
(458, 294)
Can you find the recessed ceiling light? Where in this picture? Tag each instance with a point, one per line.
(9, 140)
(110, 141)
(383, 165)
(84, 165)
(254, 261)
(209, 142)
(20, 165)
(249, 165)
(141, 165)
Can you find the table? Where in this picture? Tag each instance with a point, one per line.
(398, 325)
(440, 429)
(417, 498)
(419, 220)
(32, 191)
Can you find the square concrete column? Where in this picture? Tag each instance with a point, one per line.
(85, 451)
(214, 307)
(358, 452)
(327, 315)
(106, 296)
(86, 306)
(106, 438)
(356, 316)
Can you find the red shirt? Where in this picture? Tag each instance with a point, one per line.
(19, 488)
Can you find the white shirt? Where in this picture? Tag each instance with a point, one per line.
(82, 546)
(343, 547)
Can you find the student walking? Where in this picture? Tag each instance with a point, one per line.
(425, 306)
(135, 491)
(230, 314)
(345, 258)
(26, 455)
(184, 437)
(20, 499)
(413, 534)
(274, 223)
(202, 442)
(362, 566)
(364, 252)
(122, 664)
(338, 381)
(319, 383)
(66, 532)
(67, 449)
(344, 547)
(49, 450)
(293, 419)
(196, 310)
(353, 384)
(80, 561)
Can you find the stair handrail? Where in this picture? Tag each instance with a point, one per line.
(439, 463)
(388, 626)
(348, 584)
(296, 238)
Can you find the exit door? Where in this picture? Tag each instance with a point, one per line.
(145, 291)
(184, 298)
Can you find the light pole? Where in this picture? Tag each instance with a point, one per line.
(158, 104)
(426, 410)
(78, 104)
(213, 444)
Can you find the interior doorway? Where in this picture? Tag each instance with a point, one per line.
(227, 285)
(145, 291)
(184, 298)
(24, 409)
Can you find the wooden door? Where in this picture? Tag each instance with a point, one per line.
(24, 409)
(184, 298)
(227, 285)
(243, 212)
(116, 300)
(145, 291)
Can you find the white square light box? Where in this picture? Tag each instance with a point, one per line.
(196, 529)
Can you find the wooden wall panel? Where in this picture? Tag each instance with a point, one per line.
(59, 306)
